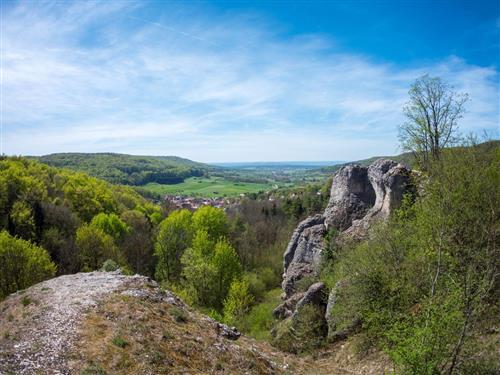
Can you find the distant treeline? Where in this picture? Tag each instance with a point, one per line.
(129, 169)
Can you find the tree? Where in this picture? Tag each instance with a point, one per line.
(94, 247)
(432, 116)
(212, 220)
(22, 264)
(174, 237)
(228, 268)
(199, 271)
(209, 268)
(23, 221)
(137, 245)
(238, 300)
(110, 224)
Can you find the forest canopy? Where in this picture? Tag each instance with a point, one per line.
(128, 169)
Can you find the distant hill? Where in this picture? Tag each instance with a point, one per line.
(129, 169)
(277, 165)
(406, 158)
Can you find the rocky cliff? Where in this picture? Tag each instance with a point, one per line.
(359, 197)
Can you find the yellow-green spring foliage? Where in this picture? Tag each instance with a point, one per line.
(22, 264)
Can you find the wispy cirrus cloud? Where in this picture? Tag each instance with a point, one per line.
(113, 76)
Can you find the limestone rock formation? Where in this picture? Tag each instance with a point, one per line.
(359, 197)
(303, 253)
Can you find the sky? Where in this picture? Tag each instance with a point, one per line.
(233, 81)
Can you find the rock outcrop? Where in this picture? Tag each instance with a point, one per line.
(359, 197)
(303, 254)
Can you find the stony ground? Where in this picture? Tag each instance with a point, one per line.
(39, 325)
(108, 323)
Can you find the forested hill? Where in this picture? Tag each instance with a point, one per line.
(128, 169)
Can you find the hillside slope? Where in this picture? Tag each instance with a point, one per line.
(128, 169)
(107, 323)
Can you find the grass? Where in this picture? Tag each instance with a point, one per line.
(93, 369)
(119, 341)
(209, 187)
(259, 320)
(179, 315)
(26, 301)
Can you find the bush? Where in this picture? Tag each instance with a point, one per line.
(179, 315)
(238, 301)
(94, 247)
(109, 266)
(259, 321)
(303, 333)
(22, 264)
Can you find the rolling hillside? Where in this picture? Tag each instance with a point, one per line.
(129, 169)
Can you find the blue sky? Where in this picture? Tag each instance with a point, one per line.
(237, 81)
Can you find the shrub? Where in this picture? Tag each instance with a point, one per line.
(256, 286)
(179, 315)
(238, 301)
(259, 321)
(95, 247)
(109, 266)
(303, 333)
(22, 264)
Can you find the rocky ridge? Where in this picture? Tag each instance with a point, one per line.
(109, 323)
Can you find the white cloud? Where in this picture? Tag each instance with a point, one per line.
(99, 76)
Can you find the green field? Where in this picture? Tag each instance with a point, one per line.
(209, 187)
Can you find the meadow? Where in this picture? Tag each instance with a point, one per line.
(210, 187)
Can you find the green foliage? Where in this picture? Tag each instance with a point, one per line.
(209, 269)
(129, 169)
(46, 206)
(179, 315)
(95, 247)
(26, 300)
(22, 264)
(303, 333)
(422, 280)
(119, 341)
(23, 221)
(109, 265)
(227, 269)
(212, 220)
(110, 224)
(259, 320)
(256, 285)
(137, 244)
(174, 237)
(432, 113)
(199, 272)
(238, 301)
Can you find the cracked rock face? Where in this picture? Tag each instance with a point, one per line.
(303, 254)
(351, 197)
(359, 197)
